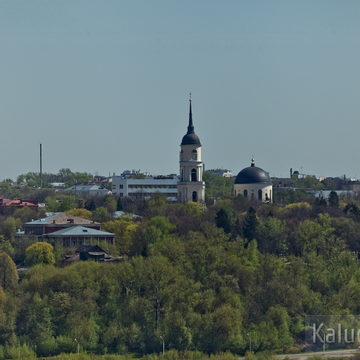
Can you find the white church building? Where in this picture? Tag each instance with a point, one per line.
(254, 183)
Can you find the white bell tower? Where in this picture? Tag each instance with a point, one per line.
(191, 186)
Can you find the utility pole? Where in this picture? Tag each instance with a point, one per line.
(250, 347)
(163, 343)
(78, 346)
(41, 180)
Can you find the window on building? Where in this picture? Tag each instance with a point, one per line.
(194, 155)
(245, 193)
(193, 175)
(260, 195)
(194, 196)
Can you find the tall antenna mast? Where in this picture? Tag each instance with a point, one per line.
(41, 179)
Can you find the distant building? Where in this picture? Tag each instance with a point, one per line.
(89, 190)
(78, 235)
(342, 194)
(221, 172)
(57, 185)
(138, 174)
(88, 252)
(57, 221)
(296, 175)
(145, 188)
(18, 203)
(254, 183)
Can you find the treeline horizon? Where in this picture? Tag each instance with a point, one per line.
(212, 280)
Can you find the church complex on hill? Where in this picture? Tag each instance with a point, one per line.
(252, 182)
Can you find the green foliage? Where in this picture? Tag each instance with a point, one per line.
(217, 186)
(308, 182)
(289, 196)
(40, 253)
(225, 218)
(19, 352)
(333, 199)
(8, 273)
(124, 230)
(64, 175)
(157, 229)
(188, 282)
(10, 226)
(83, 213)
(101, 214)
(111, 204)
(250, 224)
(271, 237)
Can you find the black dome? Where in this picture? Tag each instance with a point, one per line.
(251, 175)
(190, 139)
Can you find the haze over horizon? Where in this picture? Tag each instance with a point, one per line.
(104, 85)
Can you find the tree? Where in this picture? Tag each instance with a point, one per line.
(67, 203)
(10, 226)
(158, 228)
(51, 204)
(124, 229)
(225, 219)
(8, 273)
(90, 205)
(36, 325)
(271, 236)
(250, 224)
(333, 199)
(217, 186)
(40, 253)
(83, 213)
(101, 214)
(111, 204)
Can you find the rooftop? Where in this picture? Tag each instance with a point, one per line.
(61, 218)
(79, 231)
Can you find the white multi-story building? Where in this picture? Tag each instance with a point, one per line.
(145, 188)
(90, 190)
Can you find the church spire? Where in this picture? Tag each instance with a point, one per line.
(191, 125)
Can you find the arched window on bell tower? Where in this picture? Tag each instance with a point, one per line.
(194, 155)
(193, 175)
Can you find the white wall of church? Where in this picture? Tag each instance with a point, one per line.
(253, 191)
(186, 153)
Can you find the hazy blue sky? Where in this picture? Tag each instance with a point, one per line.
(104, 84)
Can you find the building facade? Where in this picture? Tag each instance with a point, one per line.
(88, 190)
(145, 188)
(57, 221)
(191, 186)
(78, 235)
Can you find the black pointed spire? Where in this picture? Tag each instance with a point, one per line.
(191, 125)
(190, 138)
